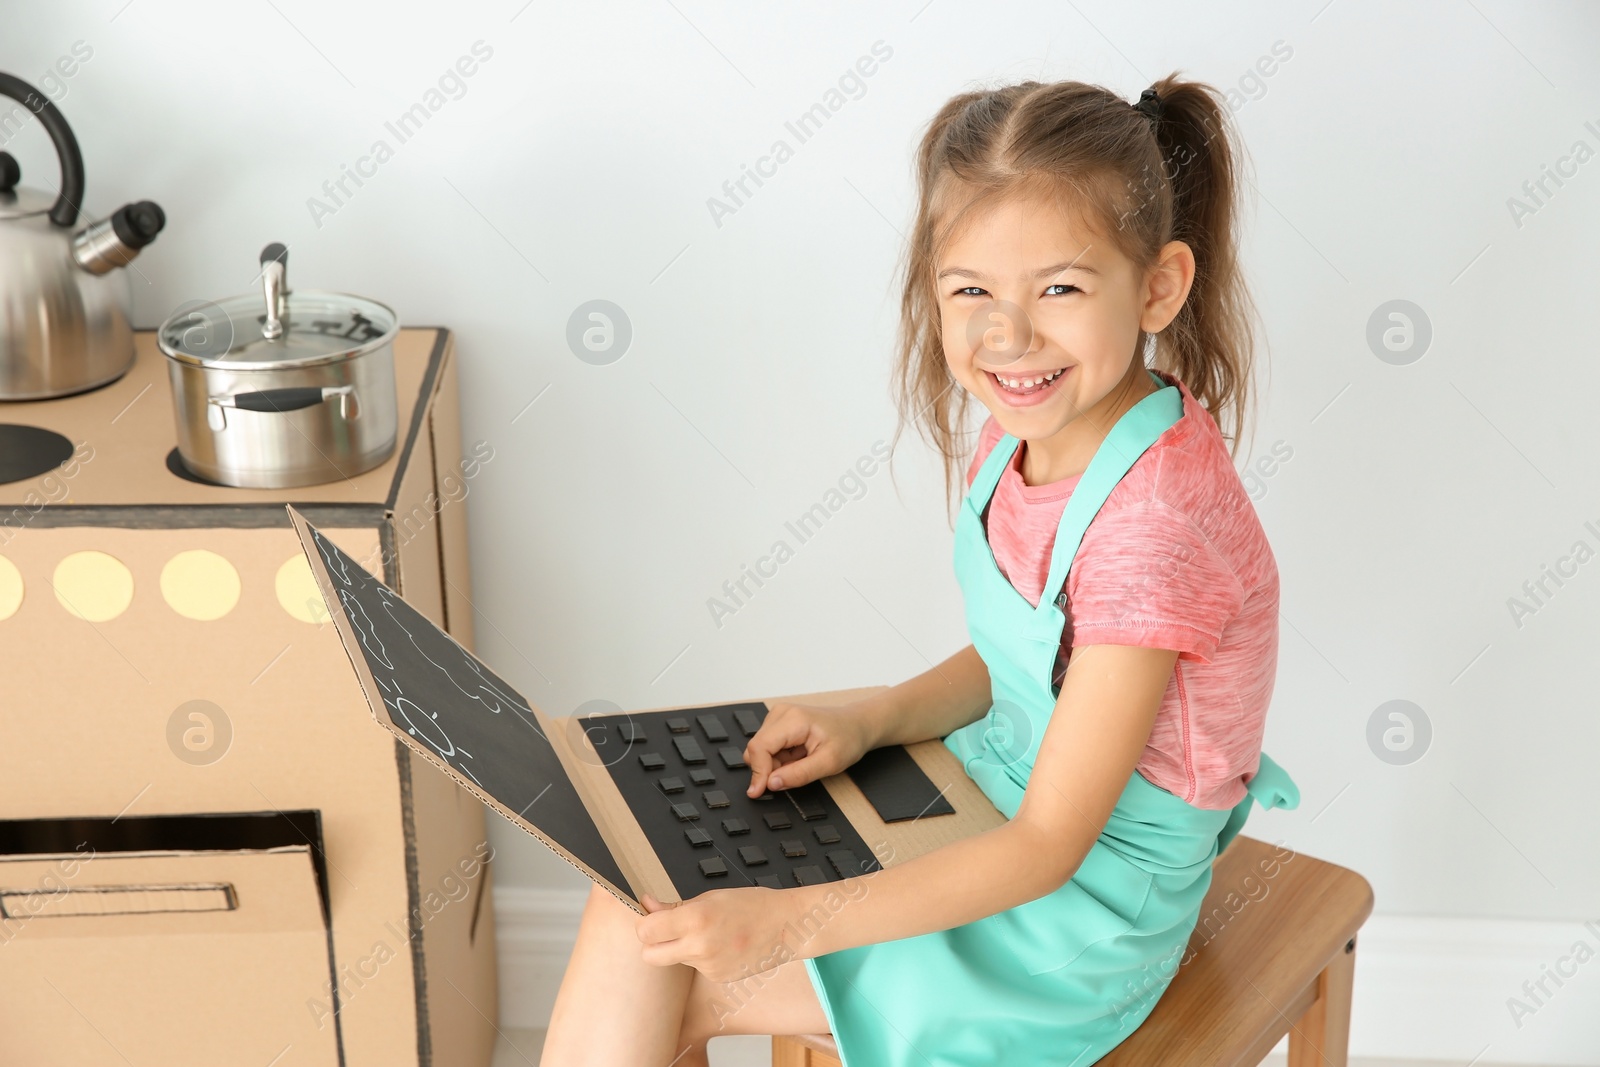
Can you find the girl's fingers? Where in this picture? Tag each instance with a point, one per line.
(779, 735)
(803, 770)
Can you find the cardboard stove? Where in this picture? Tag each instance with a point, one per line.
(208, 854)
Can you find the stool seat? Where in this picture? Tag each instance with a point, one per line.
(1272, 954)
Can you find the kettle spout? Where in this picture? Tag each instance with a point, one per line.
(110, 243)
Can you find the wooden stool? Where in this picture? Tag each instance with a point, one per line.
(1282, 964)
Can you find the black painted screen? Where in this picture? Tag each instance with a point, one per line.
(443, 696)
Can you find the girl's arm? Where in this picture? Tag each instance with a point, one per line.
(933, 704)
(1097, 732)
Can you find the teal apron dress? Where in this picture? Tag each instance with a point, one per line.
(1062, 979)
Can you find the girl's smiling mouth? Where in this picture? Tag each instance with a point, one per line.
(1025, 390)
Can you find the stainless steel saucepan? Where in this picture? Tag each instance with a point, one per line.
(282, 388)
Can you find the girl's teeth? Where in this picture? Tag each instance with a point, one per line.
(1028, 383)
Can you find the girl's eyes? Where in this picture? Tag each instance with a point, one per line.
(973, 290)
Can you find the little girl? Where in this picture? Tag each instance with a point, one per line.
(1122, 602)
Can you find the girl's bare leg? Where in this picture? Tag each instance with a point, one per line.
(779, 1001)
(613, 1008)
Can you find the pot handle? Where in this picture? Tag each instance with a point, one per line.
(65, 211)
(292, 398)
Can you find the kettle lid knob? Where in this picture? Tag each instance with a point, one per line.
(10, 173)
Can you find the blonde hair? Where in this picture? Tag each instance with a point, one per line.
(1136, 182)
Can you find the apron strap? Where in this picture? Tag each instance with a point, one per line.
(1271, 787)
(988, 475)
(1129, 439)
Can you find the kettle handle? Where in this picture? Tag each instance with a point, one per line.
(65, 211)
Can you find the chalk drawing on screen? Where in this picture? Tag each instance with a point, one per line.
(454, 709)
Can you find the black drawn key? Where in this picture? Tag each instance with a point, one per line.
(698, 837)
(670, 785)
(809, 875)
(771, 881)
(748, 722)
(810, 800)
(793, 847)
(779, 820)
(733, 757)
(685, 812)
(752, 855)
(715, 798)
(713, 867)
(844, 861)
(826, 834)
(632, 732)
(712, 726)
(689, 750)
(651, 761)
(678, 726)
(735, 827)
(702, 776)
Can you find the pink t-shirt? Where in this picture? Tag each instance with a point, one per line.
(1175, 559)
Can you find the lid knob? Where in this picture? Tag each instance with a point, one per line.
(10, 173)
(274, 282)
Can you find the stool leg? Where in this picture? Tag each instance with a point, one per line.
(786, 1052)
(1321, 1038)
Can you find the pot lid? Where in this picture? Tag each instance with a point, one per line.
(276, 329)
(317, 327)
(21, 202)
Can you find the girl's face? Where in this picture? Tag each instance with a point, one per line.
(1040, 322)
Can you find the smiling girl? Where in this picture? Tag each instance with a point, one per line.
(1121, 599)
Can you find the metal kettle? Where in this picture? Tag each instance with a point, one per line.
(63, 301)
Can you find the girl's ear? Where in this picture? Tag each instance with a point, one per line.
(1170, 281)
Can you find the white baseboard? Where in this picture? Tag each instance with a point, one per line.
(1426, 988)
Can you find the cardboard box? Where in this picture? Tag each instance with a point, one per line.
(133, 693)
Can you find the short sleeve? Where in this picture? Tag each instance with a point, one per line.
(1146, 575)
(987, 436)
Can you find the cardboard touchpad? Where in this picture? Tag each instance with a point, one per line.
(896, 786)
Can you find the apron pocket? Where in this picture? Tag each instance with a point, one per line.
(1104, 899)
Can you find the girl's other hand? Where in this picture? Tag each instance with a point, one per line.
(800, 743)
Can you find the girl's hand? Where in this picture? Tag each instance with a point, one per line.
(725, 934)
(800, 743)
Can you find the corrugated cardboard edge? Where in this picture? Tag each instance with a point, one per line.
(444, 427)
(369, 689)
(622, 833)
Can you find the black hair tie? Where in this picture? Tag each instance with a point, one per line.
(1150, 105)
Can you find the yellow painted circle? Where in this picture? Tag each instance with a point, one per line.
(298, 592)
(10, 588)
(93, 585)
(199, 584)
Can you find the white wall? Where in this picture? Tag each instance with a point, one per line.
(577, 165)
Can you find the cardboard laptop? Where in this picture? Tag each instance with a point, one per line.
(599, 790)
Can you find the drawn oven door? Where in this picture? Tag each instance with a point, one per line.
(187, 958)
